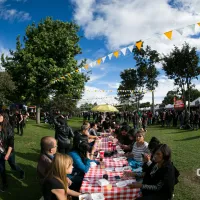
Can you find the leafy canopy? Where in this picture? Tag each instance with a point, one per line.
(47, 53)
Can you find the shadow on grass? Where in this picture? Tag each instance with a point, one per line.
(28, 156)
(190, 138)
(26, 189)
(180, 131)
(42, 126)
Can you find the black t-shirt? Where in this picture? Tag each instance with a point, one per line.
(50, 184)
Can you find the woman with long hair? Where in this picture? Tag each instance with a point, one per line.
(159, 180)
(7, 149)
(55, 185)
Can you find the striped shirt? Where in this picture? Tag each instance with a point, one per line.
(138, 151)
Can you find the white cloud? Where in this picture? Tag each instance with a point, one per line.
(122, 22)
(90, 96)
(12, 14)
(110, 85)
(164, 86)
(21, 1)
(6, 53)
(95, 77)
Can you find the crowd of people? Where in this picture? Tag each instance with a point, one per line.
(78, 149)
(164, 117)
(65, 158)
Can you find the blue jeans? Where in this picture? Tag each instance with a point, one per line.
(12, 163)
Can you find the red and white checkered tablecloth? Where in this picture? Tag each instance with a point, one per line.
(120, 193)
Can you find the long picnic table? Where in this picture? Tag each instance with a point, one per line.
(90, 184)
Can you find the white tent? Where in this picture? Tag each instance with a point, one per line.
(169, 106)
(196, 102)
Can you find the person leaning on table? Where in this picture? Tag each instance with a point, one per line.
(82, 155)
(159, 180)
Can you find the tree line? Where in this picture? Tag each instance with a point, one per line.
(181, 65)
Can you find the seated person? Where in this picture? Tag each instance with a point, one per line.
(159, 180)
(106, 124)
(84, 135)
(93, 129)
(123, 139)
(55, 185)
(140, 147)
(82, 155)
(148, 158)
(48, 149)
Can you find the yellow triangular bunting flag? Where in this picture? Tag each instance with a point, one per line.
(116, 54)
(139, 44)
(168, 34)
(99, 61)
(198, 23)
(86, 67)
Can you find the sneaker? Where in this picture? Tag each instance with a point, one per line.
(4, 188)
(22, 175)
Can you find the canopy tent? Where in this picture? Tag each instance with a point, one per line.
(195, 103)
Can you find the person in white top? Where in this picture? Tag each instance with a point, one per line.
(140, 147)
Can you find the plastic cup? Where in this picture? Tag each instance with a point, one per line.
(101, 154)
(109, 144)
(114, 146)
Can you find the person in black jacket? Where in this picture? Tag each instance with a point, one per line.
(7, 149)
(159, 179)
(63, 134)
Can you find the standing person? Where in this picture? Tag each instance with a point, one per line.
(7, 150)
(63, 134)
(12, 120)
(136, 120)
(196, 120)
(144, 121)
(20, 121)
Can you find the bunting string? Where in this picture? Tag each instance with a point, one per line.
(123, 51)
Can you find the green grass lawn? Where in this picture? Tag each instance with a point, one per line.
(184, 144)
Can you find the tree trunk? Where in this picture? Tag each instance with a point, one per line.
(153, 110)
(189, 99)
(38, 114)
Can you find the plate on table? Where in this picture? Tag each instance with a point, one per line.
(127, 168)
(121, 184)
(85, 197)
(120, 152)
(119, 169)
(109, 169)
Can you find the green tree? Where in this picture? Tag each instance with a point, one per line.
(131, 80)
(87, 106)
(194, 94)
(47, 53)
(7, 88)
(145, 61)
(144, 105)
(181, 65)
(169, 98)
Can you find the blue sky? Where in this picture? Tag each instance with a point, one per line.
(107, 26)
